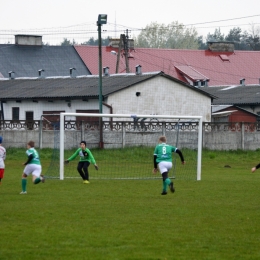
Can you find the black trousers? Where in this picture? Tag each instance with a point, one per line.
(83, 170)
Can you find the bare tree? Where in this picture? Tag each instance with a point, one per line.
(253, 39)
(171, 36)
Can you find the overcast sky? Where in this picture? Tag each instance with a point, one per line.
(135, 14)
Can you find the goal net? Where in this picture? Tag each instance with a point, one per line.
(123, 145)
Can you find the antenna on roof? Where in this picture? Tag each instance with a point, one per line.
(115, 24)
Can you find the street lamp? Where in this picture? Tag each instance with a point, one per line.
(102, 19)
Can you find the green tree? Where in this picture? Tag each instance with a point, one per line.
(234, 35)
(253, 40)
(171, 36)
(94, 42)
(239, 39)
(67, 42)
(216, 36)
(201, 43)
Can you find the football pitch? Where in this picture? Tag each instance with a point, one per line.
(215, 218)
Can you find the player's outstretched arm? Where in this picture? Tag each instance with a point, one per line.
(178, 151)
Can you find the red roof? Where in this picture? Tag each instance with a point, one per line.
(219, 68)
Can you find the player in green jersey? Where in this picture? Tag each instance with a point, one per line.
(32, 166)
(86, 158)
(163, 161)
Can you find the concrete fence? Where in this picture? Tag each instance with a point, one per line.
(216, 136)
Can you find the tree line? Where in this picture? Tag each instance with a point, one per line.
(177, 36)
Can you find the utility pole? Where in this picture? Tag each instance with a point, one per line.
(126, 50)
(102, 19)
(123, 42)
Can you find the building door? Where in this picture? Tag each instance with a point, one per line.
(29, 119)
(51, 119)
(90, 122)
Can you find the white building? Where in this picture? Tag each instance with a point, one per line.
(149, 93)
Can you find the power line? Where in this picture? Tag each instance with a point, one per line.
(225, 20)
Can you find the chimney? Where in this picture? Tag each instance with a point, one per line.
(11, 74)
(41, 73)
(221, 46)
(242, 82)
(206, 83)
(71, 72)
(106, 71)
(138, 70)
(31, 40)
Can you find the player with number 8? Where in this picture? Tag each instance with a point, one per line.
(163, 161)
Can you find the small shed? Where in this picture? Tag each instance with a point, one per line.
(231, 114)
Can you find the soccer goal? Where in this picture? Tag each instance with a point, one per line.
(123, 144)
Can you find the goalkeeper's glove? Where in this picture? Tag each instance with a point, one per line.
(96, 167)
(66, 161)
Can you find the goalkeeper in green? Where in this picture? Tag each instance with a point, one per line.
(86, 158)
(163, 161)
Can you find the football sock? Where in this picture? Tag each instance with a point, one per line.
(24, 183)
(168, 181)
(37, 180)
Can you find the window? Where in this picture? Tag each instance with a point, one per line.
(28, 116)
(15, 113)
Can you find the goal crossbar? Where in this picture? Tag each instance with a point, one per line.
(62, 130)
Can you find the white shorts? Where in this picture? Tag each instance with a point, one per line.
(33, 169)
(164, 166)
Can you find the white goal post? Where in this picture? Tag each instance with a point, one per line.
(62, 130)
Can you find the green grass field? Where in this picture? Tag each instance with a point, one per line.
(215, 218)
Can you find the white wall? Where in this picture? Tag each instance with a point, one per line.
(38, 108)
(161, 96)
